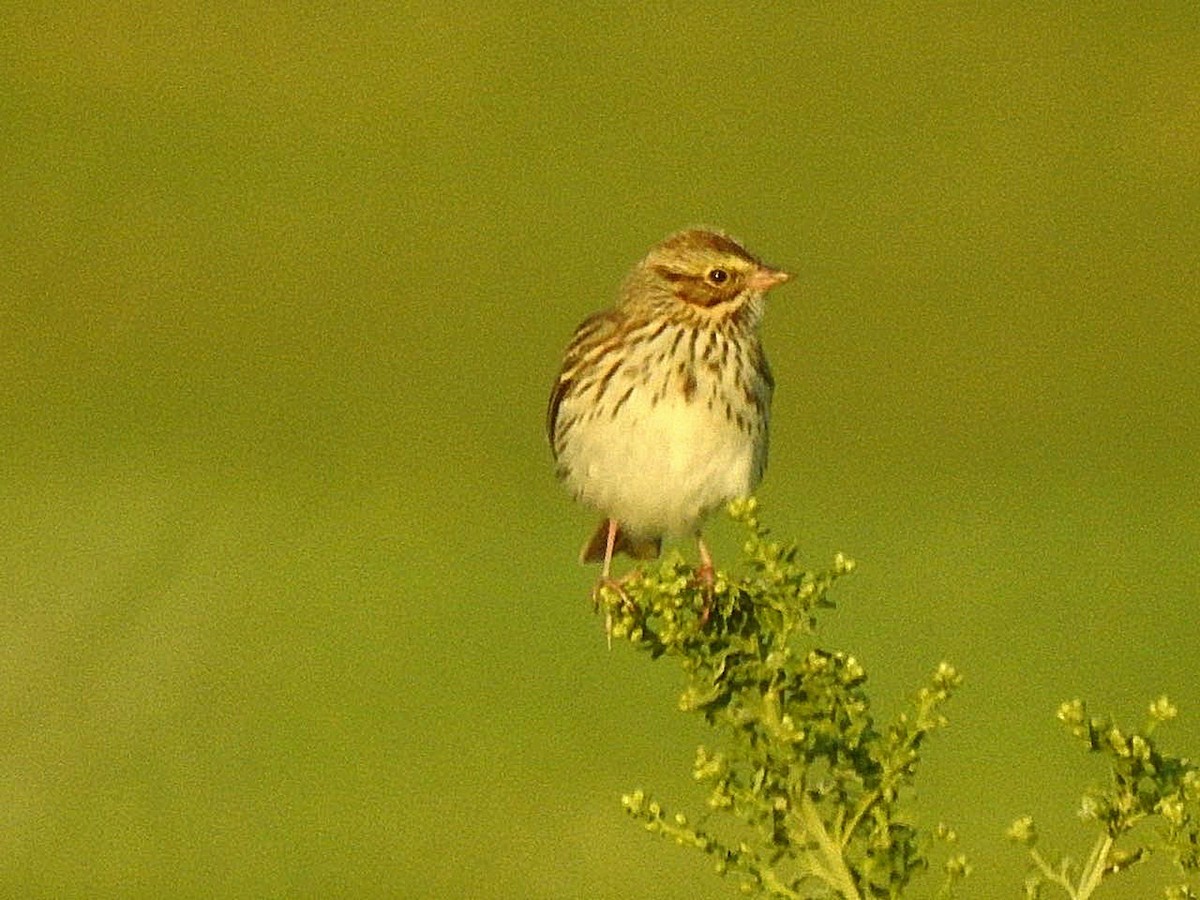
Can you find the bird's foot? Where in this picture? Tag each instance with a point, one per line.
(705, 580)
(617, 585)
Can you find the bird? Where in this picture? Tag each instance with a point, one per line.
(660, 411)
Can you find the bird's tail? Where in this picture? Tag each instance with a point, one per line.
(638, 548)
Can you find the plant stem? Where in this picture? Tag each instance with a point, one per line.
(1052, 876)
(1093, 872)
(829, 865)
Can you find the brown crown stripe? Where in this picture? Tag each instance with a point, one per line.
(708, 240)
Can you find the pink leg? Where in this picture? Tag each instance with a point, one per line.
(706, 570)
(608, 549)
(609, 545)
(706, 574)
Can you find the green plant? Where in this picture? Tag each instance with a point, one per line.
(808, 796)
(1150, 805)
(809, 790)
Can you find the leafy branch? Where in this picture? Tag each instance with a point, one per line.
(808, 791)
(808, 794)
(1148, 788)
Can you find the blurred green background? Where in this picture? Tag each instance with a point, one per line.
(290, 596)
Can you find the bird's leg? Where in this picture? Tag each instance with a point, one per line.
(706, 573)
(608, 549)
(606, 579)
(706, 570)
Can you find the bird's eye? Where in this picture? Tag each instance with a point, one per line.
(718, 276)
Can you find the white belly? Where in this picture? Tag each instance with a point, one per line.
(659, 469)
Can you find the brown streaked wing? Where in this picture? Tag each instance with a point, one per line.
(595, 327)
(560, 390)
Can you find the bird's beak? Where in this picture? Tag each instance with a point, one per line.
(766, 278)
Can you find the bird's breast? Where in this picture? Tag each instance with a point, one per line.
(666, 441)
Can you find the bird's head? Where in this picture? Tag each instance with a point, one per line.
(704, 272)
